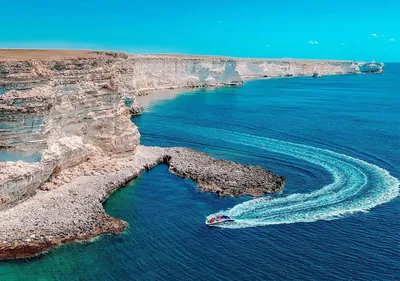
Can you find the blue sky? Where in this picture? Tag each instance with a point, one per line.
(336, 29)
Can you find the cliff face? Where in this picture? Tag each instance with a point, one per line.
(119, 72)
(282, 68)
(69, 106)
(41, 93)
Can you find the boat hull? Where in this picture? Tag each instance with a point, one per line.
(219, 222)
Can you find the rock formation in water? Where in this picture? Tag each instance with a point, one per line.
(72, 108)
(221, 176)
(370, 67)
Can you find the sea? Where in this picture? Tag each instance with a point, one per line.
(336, 140)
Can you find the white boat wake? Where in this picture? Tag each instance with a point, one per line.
(357, 185)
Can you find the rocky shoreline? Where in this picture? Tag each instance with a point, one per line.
(73, 211)
(225, 178)
(73, 108)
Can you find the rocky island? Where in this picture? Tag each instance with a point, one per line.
(73, 109)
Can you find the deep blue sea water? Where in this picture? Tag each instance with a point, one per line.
(335, 139)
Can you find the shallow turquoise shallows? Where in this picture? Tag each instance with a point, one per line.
(335, 139)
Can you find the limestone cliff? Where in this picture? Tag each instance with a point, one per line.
(45, 91)
(280, 68)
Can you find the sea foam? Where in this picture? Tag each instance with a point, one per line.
(357, 186)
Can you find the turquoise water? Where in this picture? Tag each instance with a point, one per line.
(335, 139)
(12, 156)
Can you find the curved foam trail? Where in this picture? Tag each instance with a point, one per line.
(357, 186)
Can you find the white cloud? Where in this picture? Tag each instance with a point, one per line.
(313, 42)
(392, 40)
(374, 34)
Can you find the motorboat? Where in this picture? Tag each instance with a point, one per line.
(219, 219)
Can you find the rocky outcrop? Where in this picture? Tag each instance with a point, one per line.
(221, 176)
(19, 181)
(135, 108)
(370, 67)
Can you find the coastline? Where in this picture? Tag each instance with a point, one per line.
(48, 222)
(89, 146)
(152, 97)
(44, 222)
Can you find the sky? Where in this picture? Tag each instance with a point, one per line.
(314, 29)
